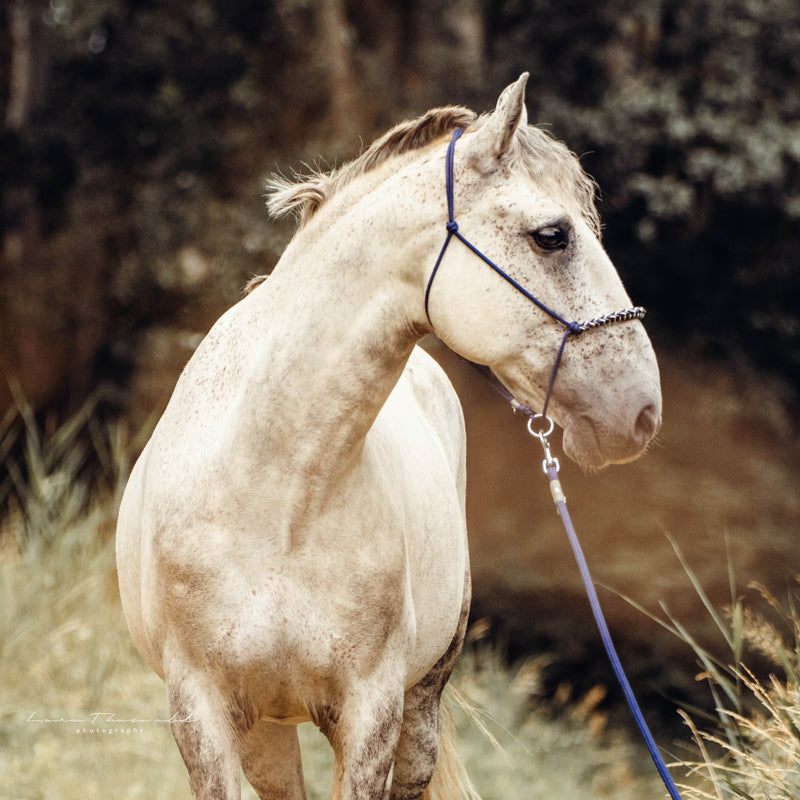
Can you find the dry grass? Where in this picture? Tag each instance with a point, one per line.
(66, 655)
(72, 681)
(752, 750)
(748, 748)
(524, 746)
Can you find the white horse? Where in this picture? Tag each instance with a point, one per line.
(292, 542)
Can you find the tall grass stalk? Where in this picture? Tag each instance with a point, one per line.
(748, 747)
(48, 479)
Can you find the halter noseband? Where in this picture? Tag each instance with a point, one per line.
(573, 328)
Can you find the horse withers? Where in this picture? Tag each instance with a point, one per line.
(292, 543)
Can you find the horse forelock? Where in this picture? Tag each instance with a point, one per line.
(546, 160)
(551, 164)
(306, 195)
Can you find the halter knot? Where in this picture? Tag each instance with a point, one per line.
(575, 328)
(452, 226)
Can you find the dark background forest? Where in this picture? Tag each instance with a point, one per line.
(137, 136)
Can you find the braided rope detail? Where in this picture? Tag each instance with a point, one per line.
(625, 315)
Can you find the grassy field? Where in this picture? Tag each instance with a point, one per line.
(82, 717)
(72, 682)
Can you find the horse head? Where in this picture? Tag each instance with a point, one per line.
(523, 200)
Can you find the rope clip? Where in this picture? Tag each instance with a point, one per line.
(550, 461)
(550, 465)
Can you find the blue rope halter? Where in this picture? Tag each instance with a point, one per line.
(573, 328)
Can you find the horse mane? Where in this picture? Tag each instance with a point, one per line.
(547, 160)
(305, 195)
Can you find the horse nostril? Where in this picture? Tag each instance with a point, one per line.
(647, 423)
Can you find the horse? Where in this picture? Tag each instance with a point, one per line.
(292, 544)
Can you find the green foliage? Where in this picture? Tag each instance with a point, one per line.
(151, 111)
(685, 102)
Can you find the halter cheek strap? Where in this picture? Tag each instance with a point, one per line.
(572, 328)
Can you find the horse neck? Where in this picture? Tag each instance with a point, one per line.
(344, 308)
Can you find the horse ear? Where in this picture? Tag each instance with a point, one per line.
(492, 141)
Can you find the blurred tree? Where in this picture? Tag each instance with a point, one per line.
(342, 106)
(30, 60)
(159, 116)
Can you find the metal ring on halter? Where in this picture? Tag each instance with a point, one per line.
(540, 434)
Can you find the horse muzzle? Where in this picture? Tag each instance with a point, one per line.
(596, 442)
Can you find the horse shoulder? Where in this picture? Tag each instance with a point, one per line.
(431, 390)
(424, 420)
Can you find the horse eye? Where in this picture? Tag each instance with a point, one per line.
(551, 238)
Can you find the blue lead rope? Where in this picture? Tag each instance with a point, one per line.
(551, 464)
(551, 467)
